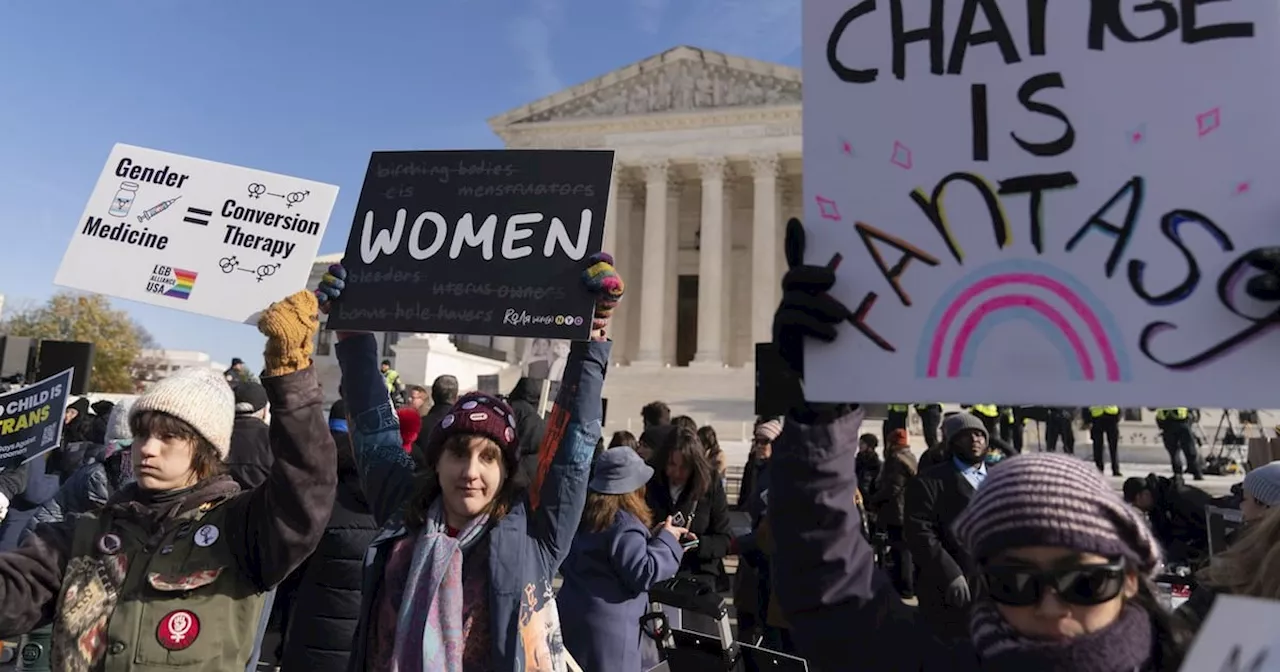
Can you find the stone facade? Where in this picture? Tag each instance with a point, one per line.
(707, 169)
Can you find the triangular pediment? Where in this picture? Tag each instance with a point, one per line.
(684, 79)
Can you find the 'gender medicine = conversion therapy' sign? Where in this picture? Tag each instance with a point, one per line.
(204, 237)
(1047, 203)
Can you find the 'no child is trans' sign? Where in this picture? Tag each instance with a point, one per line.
(204, 237)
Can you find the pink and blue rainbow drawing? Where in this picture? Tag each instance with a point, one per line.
(1061, 308)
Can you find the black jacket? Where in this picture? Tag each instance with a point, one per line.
(325, 604)
(249, 460)
(933, 501)
(710, 515)
(86, 490)
(530, 427)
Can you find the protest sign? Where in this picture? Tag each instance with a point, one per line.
(488, 243)
(1042, 203)
(1238, 636)
(204, 237)
(31, 419)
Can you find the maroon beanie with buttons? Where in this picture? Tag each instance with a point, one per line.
(481, 415)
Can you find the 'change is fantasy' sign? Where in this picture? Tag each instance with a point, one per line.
(1050, 203)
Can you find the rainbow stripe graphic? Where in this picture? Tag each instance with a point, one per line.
(186, 283)
(1062, 309)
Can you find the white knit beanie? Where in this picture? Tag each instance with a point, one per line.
(1263, 484)
(199, 397)
(118, 421)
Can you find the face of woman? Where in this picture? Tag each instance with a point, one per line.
(1252, 509)
(1051, 617)
(678, 470)
(470, 474)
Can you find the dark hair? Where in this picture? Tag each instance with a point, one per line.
(656, 413)
(624, 438)
(601, 509)
(685, 422)
(710, 442)
(1172, 635)
(206, 462)
(386, 362)
(1134, 486)
(444, 390)
(426, 486)
(871, 440)
(686, 443)
(417, 389)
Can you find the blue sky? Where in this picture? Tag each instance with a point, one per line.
(306, 88)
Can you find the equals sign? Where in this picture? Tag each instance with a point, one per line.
(198, 216)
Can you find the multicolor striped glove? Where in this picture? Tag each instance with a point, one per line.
(331, 285)
(602, 279)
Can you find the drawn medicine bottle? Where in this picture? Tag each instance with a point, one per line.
(124, 199)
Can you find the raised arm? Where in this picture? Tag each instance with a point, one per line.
(285, 517)
(386, 471)
(559, 490)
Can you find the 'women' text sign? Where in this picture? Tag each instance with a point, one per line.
(1042, 202)
(491, 243)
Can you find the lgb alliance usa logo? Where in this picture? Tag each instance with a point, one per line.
(172, 282)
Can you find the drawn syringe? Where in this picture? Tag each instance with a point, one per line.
(159, 208)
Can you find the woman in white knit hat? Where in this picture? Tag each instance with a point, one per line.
(173, 570)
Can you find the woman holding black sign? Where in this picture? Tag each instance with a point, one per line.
(460, 577)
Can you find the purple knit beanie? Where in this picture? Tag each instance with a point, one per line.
(482, 415)
(1045, 499)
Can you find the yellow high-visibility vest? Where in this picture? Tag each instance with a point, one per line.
(901, 408)
(1179, 413)
(989, 410)
(1097, 411)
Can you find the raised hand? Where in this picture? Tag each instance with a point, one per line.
(602, 279)
(331, 285)
(290, 326)
(806, 310)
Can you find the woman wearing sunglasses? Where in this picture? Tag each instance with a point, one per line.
(1061, 572)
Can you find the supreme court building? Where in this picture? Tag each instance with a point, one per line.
(706, 172)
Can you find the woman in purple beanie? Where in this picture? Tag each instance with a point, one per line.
(1060, 576)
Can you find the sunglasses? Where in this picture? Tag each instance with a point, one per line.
(1081, 585)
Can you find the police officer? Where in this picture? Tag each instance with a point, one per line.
(896, 419)
(1175, 431)
(989, 414)
(1104, 424)
(1012, 423)
(930, 421)
(1057, 425)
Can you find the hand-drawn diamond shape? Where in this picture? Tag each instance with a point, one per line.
(828, 209)
(901, 155)
(1208, 122)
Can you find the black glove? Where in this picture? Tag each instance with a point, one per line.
(1265, 287)
(806, 309)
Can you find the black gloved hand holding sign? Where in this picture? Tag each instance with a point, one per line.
(806, 311)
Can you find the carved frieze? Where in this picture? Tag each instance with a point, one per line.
(680, 86)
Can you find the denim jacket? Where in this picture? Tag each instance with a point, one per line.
(527, 545)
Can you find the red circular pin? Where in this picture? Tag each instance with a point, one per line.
(178, 630)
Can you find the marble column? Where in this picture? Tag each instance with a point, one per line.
(611, 214)
(653, 281)
(711, 255)
(764, 248)
(627, 258)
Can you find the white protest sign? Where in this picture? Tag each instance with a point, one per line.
(1238, 636)
(196, 235)
(1043, 202)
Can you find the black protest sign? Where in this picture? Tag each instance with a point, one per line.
(31, 419)
(490, 243)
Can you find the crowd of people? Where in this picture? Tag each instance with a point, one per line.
(414, 528)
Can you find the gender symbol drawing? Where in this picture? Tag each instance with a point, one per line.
(1062, 309)
(232, 264)
(258, 190)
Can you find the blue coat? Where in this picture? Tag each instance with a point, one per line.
(526, 546)
(607, 577)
